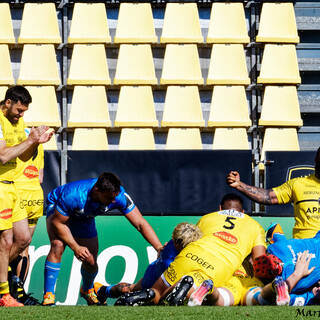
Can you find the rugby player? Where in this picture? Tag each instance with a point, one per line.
(302, 192)
(71, 209)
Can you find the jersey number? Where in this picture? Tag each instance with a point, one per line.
(229, 224)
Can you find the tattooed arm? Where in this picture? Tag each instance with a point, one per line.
(265, 196)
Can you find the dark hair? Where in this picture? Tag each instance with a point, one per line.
(18, 93)
(109, 182)
(228, 198)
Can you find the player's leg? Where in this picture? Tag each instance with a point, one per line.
(206, 288)
(113, 291)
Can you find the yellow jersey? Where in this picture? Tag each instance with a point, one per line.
(12, 134)
(304, 194)
(230, 235)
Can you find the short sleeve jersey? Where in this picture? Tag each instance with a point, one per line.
(304, 193)
(230, 235)
(74, 200)
(12, 134)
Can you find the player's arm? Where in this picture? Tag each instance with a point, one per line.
(301, 269)
(41, 175)
(258, 251)
(265, 196)
(62, 231)
(140, 223)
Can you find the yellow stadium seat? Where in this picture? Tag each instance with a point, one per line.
(39, 24)
(90, 139)
(184, 138)
(228, 65)
(51, 144)
(135, 24)
(229, 107)
(280, 107)
(6, 76)
(279, 139)
(88, 65)
(89, 24)
(137, 139)
(135, 65)
(6, 30)
(182, 107)
(227, 23)
(181, 24)
(3, 90)
(136, 107)
(38, 65)
(279, 64)
(43, 110)
(89, 107)
(230, 139)
(181, 65)
(277, 23)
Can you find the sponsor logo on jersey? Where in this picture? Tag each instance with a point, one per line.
(225, 236)
(6, 214)
(31, 203)
(232, 213)
(199, 260)
(31, 172)
(240, 274)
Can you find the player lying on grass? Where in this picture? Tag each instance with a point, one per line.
(183, 234)
(226, 242)
(71, 210)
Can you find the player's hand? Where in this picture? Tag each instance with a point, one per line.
(302, 264)
(82, 253)
(46, 136)
(39, 134)
(233, 179)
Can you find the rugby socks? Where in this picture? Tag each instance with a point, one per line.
(51, 272)
(4, 288)
(87, 279)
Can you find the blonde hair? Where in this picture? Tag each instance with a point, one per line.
(184, 233)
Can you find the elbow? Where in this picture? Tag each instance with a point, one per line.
(4, 159)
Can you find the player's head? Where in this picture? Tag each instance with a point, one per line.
(316, 290)
(106, 188)
(231, 201)
(267, 266)
(15, 103)
(317, 163)
(184, 233)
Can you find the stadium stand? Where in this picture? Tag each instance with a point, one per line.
(90, 139)
(6, 76)
(136, 139)
(6, 29)
(230, 139)
(184, 138)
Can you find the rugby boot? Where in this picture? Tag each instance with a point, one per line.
(89, 296)
(8, 301)
(275, 228)
(280, 288)
(100, 291)
(177, 296)
(20, 295)
(200, 293)
(48, 299)
(136, 298)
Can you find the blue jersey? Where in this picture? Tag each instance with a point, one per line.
(303, 299)
(156, 268)
(287, 251)
(74, 200)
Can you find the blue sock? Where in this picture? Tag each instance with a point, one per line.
(51, 272)
(87, 279)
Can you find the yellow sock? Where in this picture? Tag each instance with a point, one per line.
(4, 287)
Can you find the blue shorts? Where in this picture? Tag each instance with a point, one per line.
(79, 227)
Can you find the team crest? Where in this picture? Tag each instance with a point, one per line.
(299, 171)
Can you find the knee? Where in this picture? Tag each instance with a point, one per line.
(57, 247)
(22, 241)
(6, 242)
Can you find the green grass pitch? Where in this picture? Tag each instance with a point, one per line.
(160, 312)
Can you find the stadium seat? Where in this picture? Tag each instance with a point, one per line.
(280, 107)
(279, 64)
(181, 24)
(44, 109)
(38, 65)
(136, 107)
(51, 144)
(181, 65)
(135, 65)
(3, 90)
(184, 138)
(182, 107)
(277, 23)
(88, 65)
(137, 139)
(6, 30)
(39, 24)
(230, 139)
(89, 24)
(228, 65)
(229, 107)
(89, 107)
(6, 76)
(279, 139)
(227, 23)
(135, 24)
(90, 139)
